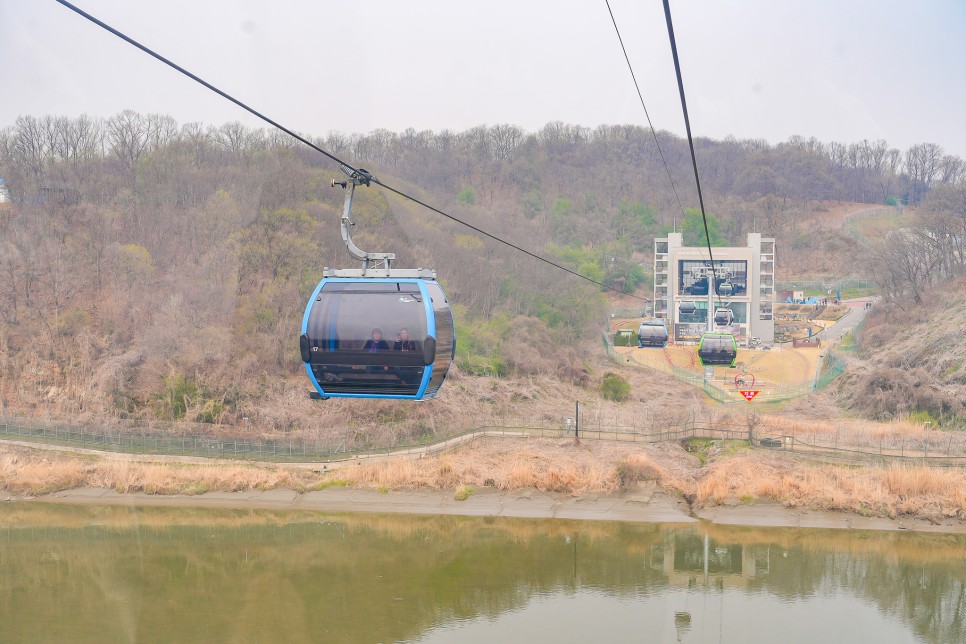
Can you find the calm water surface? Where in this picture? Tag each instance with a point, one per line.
(123, 574)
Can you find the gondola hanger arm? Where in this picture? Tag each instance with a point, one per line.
(360, 177)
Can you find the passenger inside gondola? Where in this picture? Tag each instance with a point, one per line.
(376, 342)
(404, 343)
(373, 344)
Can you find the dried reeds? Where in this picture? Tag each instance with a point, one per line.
(545, 465)
(28, 472)
(917, 491)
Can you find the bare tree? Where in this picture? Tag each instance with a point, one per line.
(922, 164)
(506, 139)
(951, 169)
(129, 138)
(906, 263)
(30, 145)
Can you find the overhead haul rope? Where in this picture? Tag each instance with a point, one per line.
(646, 114)
(331, 156)
(687, 125)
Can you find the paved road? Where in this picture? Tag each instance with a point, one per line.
(849, 322)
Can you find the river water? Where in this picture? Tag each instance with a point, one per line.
(129, 574)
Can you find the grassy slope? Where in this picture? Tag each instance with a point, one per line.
(912, 359)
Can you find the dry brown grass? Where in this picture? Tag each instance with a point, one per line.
(915, 491)
(543, 464)
(866, 434)
(31, 472)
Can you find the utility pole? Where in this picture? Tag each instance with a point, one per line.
(577, 424)
(925, 440)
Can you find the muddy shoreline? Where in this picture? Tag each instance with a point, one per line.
(644, 505)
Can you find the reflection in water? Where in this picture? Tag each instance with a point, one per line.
(70, 573)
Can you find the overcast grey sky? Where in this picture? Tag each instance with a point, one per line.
(841, 70)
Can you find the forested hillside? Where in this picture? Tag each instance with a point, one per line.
(158, 270)
(914, 346)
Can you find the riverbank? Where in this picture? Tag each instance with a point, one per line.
(644, 505)
(728, 483)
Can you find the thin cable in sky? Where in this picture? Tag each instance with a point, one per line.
(687, 124)
(641, 96)
(331, 156)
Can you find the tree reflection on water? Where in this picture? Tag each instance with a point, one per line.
(89, 573)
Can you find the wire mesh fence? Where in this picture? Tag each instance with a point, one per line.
(941, 449)
(826, 286)
(831, 367)
(207, 441)
(307, 450)
(938, 448)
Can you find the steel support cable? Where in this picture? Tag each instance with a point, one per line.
(687, 125)
(646, 114)
(503, 241)
(201, 81)
(331, 156)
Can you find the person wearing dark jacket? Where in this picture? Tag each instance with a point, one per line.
(376, 343)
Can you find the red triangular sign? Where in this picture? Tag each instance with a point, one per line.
(749, 395)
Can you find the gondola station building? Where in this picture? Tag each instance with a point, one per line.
(745, 284)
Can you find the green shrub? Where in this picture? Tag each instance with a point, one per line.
(477, 365)
(178, 392)
(321, 485)
(562, 207)
(210, 410)
(182, 393)
(922, 416)
(71, 321)
(615, 388)
(624, 339)
(467, 196)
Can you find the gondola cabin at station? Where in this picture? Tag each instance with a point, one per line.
(723, 316)
(653, 333)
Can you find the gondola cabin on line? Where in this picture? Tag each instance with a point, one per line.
(652, 333)
(376, 332)
(717, 349)
(378, 338)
